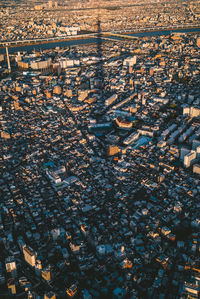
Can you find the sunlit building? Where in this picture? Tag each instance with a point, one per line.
(29, 255)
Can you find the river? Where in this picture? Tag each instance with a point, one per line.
(52, 45)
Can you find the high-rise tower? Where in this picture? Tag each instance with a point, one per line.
(8, 60)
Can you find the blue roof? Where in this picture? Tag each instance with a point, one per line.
(141, 142)
(50, 163)
(119, 293)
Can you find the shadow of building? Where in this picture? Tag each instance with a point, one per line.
(99, 75)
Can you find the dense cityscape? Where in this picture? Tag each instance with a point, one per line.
(100, 149)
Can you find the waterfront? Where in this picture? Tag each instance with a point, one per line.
(53, 45)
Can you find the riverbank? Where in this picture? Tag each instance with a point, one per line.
(84, 41)
(38, 42)
(179, 29)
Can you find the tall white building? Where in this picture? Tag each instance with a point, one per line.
(196, 168)
(189, 158)
(111, 100)
(29, 255)
(130, 61)
(11, 266)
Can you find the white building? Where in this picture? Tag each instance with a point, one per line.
(11, 266)
(110, 100)
(53, 176)
(29, 255)
(191, 111)
(130, 61)
(196, 168)
(189, 158)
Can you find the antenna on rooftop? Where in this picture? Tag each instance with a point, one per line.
(8, 60)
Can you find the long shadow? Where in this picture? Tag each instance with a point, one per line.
(99, 81)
